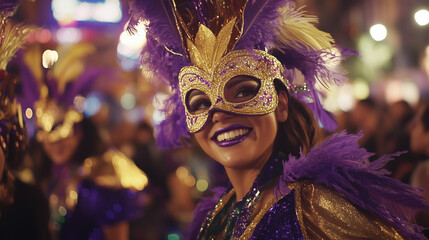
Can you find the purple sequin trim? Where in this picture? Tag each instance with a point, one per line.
(282, 212)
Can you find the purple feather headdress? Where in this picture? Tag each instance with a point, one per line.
(272, 25)
(56, 94)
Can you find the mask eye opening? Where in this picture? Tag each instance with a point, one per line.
(241, 88)
(197, 101)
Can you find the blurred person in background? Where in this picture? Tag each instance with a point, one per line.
(395, 136)
(365, 118)
(93, 190)
(24, 210)
(419, 143)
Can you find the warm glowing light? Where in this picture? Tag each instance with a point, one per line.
(43, 36)
(422, 17)
(128, 101)
(345, 98)
(361, 89)
(202, 185)
(62, 210)
(68, 11)
(49, 57)
(73, 195)
(130, 46)
(190, 181)
(69, 35)
(378, 32)
(53, 199)
(182, 172)
(397, 90)
(411, 93)
(28, 113)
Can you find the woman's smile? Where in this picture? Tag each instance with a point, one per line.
(231, 135)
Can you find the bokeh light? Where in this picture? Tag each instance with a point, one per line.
(360, 89)
(69, 35)
(49, 57)
(130, 46)
(345, 99)
(128, 101)
(202, 185)
(378, 32)
(28, 113)
(92, 105)
(66, 12)
(397, 90)
(422, 17)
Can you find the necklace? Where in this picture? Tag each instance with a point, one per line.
(230, 218)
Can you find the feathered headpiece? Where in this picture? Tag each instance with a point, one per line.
(203, 32)
(12, 134)
(54, 85)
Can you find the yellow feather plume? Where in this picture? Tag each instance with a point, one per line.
(72, 64)
(297, 29)
(14, 37)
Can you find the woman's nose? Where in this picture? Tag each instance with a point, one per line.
(219, 116)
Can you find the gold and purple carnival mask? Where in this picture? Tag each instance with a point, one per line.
(260, 68)
(213, 77)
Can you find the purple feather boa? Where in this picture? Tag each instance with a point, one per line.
(340, 164)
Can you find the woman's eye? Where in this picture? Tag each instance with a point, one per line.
(197, 102)
(241, 88)
(246, 91)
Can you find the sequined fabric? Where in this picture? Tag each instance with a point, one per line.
(282, 212)
(324, 214)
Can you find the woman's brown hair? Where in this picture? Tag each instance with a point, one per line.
(301, 130)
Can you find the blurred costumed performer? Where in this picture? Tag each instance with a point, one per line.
(24, 210)
(94, 190)
(232, 66)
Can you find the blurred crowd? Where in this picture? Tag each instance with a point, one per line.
(387, 129)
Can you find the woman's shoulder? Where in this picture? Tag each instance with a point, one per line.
(109, 189)
(324, 213)
(113, 169)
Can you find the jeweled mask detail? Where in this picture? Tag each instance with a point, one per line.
(218, 89)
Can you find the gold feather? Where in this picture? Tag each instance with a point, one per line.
(208, 48)
(14, 37)
(71, 66)
(297, 29)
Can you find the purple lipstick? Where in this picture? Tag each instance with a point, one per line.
(231, 135)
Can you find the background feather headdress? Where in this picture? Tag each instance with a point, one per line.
(54, 85)
(12, 37)
(275, 26)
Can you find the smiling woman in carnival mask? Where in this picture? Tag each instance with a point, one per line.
(233, 66)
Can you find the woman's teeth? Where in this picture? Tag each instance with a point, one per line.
(231, 134)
